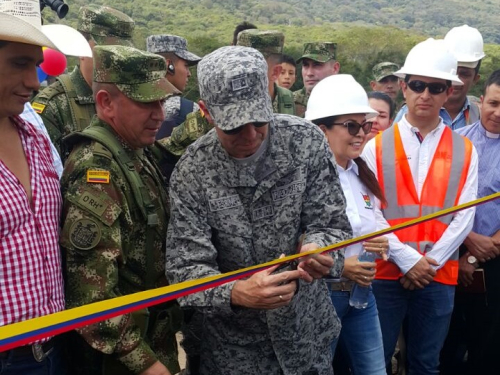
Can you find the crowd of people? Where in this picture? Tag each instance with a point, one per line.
(114, 183)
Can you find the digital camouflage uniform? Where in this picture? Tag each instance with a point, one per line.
(68, 104)
(196, 122)
(319, 52)
(115, 217)
(384, 69)
(172, 106)
(270, 42)
(226, 216)
(161, 44)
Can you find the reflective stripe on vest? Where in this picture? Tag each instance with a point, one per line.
(442, 188)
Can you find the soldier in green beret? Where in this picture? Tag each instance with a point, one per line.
(384, 79)
(115, 216)
(270, 44)
(67, 105)
(318, 62)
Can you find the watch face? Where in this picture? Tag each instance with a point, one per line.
(471, 259)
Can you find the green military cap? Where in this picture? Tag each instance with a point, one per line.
(139, 75)
(106, 25)
(320, 52)
(266, 42)
(384, 69)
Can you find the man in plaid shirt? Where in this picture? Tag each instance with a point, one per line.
(30, 199)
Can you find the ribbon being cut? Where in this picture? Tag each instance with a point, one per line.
(25, 332)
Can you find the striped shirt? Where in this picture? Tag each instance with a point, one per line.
(30, 261)
(487, 219)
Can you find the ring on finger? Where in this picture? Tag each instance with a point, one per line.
(366, 278)
(281, 297)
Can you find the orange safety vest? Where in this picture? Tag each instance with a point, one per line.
(442, 188)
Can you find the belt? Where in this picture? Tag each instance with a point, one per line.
(36, 351)
(343, 286)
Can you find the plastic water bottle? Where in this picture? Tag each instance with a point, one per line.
(359, 294)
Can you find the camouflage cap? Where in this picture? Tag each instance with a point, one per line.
(234, 85)
(266, 42)
(384, 69)
(320, 52)
(137, 74)
(106, 25)
(171, 43)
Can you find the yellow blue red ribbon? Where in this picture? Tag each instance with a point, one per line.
(28, 331)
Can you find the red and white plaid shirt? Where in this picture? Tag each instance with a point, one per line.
(31, 283)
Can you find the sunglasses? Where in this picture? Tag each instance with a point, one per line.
(435, 88)
(353, 126)
(240, 128)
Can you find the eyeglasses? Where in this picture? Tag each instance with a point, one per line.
(435, 88)
(353, 126)
(240, 128)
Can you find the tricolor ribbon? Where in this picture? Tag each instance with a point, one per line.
(28, 331)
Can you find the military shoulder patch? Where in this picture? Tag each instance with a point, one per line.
(85, 234)
(38, 107)
(93, 203)
(98, 177)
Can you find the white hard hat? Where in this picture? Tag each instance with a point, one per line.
(431, 58)
(338, 95)
(467, 44)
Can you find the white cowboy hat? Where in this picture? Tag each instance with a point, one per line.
(20, 21)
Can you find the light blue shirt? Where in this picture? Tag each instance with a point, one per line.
(459, 122)
(29, 115)
(487, 219)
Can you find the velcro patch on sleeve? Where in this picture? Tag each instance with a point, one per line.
(38, 107)
(98, 177)
(93, 203)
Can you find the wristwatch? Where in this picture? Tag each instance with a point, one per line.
(471, 259)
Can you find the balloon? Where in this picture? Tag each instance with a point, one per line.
(54, 62)
(42, 76)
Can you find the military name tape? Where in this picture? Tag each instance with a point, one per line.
(28, 331)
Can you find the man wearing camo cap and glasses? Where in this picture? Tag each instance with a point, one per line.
(242, 195)
(270, 44)
(68, 105)
(318, 62)
(115, 216)
(384, 79)
(174, 49)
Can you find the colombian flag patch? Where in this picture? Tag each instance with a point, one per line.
(38, 107)
(98, 177)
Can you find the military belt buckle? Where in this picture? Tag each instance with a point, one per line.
(38, 352)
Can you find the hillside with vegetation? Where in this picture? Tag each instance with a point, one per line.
(367, 31)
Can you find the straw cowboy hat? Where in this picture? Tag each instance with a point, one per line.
(21, 22)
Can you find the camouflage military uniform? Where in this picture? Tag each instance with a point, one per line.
(172, 106)
(52, 104)
(162, 44)
(68, 105)
(270, 42)
(300, 98)
(226, 215)
(267, 42)
(115, 221)
(319, 52)
(384, 69)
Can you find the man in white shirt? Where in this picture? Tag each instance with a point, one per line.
(423, 167)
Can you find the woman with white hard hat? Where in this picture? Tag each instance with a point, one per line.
(339, 106)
